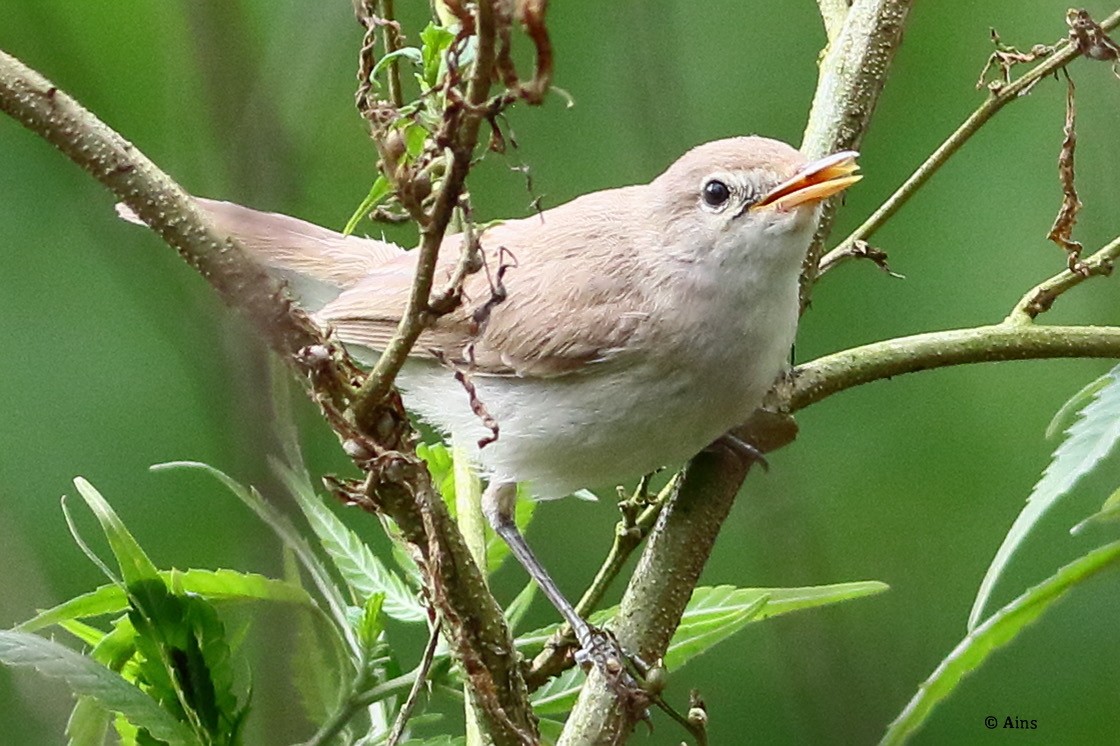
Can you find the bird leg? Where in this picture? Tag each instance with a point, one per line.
(597, 646)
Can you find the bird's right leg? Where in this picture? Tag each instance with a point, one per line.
(596, 646)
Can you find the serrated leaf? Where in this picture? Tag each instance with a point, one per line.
(1088, 440)
(706, 599)
(185, 660)
(1109, 512)
(133, 561)
(371, 624)
(89, 678)
(290, 537)
(214, 585)
(700, 629)
(996, 631)
(362, 570)
(712, 615)
(1064, 416)
(558, 695)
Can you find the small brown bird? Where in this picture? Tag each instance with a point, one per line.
(639, 324)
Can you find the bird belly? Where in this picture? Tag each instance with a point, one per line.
(594, 429)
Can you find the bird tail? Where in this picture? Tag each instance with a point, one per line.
(318, 263)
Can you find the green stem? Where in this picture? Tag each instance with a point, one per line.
(357, 701)
(834, 373)
(1042, 296)
(472, 524)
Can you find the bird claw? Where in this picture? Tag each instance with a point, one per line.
(742, 449)
(600, 649)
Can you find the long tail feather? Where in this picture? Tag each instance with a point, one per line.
(317, 262)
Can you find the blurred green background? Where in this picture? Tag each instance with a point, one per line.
(117, 356)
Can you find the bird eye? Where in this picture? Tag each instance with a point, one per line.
(715, 193)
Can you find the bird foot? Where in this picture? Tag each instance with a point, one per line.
(741, 448)
(600, 649)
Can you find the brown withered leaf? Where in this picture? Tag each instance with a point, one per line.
(1090, 39)
(1061, 232)
(1006, 57)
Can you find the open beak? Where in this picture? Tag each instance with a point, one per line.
(817, 181)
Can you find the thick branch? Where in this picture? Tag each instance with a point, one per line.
(474, 620)
(40, 106)
(852, 75)
(833, 13)
(1000, 97)
(821, 378)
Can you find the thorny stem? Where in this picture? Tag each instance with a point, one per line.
(999, 97)
(460, 132)
(392, 42)
(1041, 297)
(476, 628)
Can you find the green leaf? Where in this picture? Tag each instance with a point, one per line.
(437, 457)
(412, 54)
(726, 598)
(415, 137)
(371, 625)
(377, 194)
(116, 649)
(89, 678)
(1088, 440)
(435, 40)
(214, 585)
(320, 681)
(550, 730)
(713, 614)
(520, 605)
(290, 537)
(359, 566)
(996, 631)
(709, 619)
(558, 695)
(85, 634)
(185, 660)
(1065, 415)
(1109, 512)
(134, 563)
(88, 723)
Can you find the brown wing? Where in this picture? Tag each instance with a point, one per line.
(573, 293)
